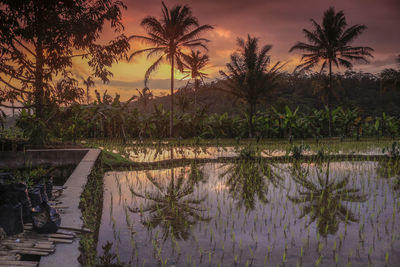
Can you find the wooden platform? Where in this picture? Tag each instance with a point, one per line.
(31, 243)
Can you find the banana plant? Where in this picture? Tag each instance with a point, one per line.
(346, 120)
(318, 120)
(288, 119)
(111, 112)
(160, 121)
(222, 126)
(387, 125)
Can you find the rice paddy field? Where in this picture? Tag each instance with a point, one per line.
(253, 210)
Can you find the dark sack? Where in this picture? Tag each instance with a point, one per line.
(21, 194)
(49, 188)
(45, 219)
(42, 188)
(35, 197)
(11, 218)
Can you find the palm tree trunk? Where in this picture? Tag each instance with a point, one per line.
(87, 94)
(196, 88)
(251, 112)
(171, 119)
(328, 98)
(172, 171)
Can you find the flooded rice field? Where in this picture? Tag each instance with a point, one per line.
(254, 214)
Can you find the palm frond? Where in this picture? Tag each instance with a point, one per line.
(151, 69)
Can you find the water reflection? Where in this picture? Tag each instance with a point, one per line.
(388, 168)
(196, 221)
(173, 207)
(324, 199)
(248, 180)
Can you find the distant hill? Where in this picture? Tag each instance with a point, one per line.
(356, 90)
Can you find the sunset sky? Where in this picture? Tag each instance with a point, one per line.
(275, 22)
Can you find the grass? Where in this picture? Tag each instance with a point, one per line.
(111, 160)
(91, 205)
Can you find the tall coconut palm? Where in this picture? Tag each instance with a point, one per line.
(330, 43)
(169, 36)
(249, 77)
(195, 63)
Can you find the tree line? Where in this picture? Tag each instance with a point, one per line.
(40, 39)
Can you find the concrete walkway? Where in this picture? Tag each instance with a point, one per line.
(67, 254)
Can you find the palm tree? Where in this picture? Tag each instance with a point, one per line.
(195, 62)
(89, 83)
(168, 37)
(329, 44)
(249, 77)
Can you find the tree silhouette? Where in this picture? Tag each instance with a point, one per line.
(183, 101)
(324, 200)
(40, 38)
(168, 37)
(145, 95)
(88, 83)
(390, 78)
(195, 63)
(329, 43)
(110, 113)
(249, 77)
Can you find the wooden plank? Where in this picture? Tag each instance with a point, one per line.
(62, 236)
(30, 252)
(65, 232)
(14, 247)
(85, 230)
(57, 240)
(28, 240)
(20, 263)
(35, 242)
(10, 257)
(30, 245)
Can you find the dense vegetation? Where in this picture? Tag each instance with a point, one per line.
(253, 98)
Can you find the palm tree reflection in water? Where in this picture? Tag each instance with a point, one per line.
(172, 207)
(249, 179)
(324, 200)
